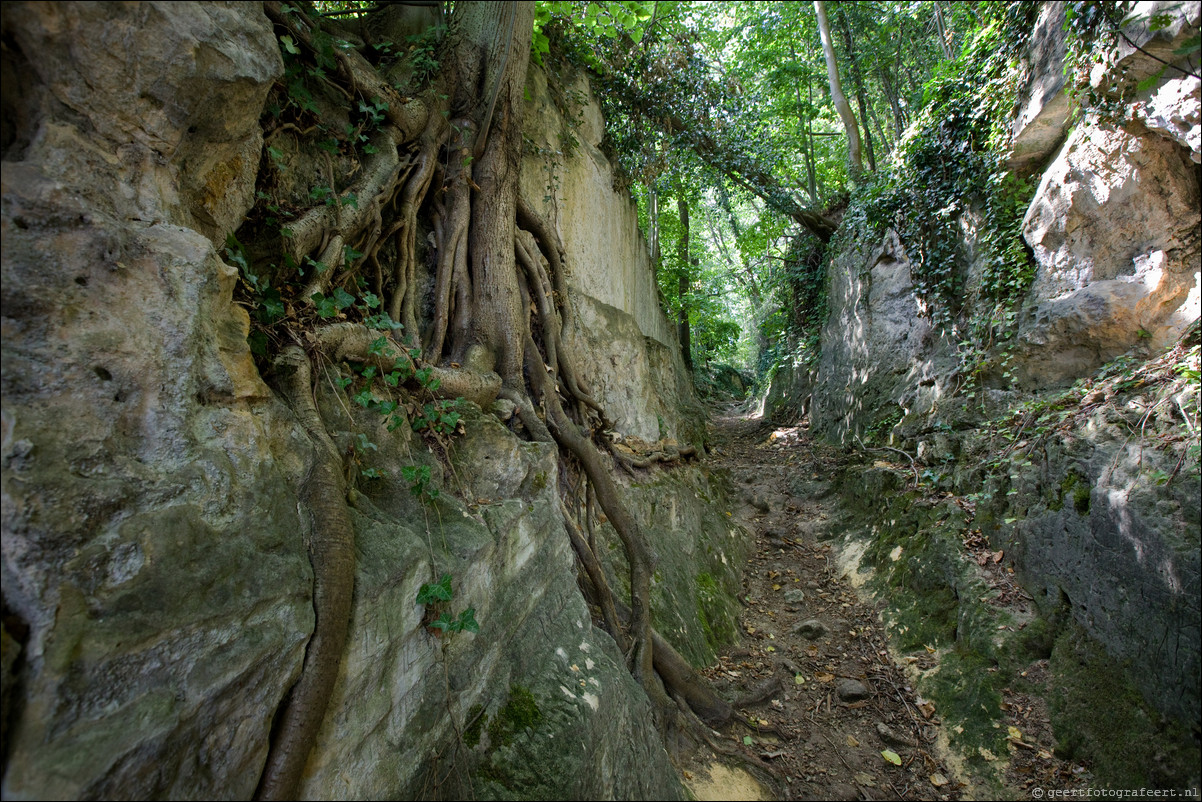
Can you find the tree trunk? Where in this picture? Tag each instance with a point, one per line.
(837, 96)
(454, 161)
(941, 29)
(653, 225)
(861, 95)
(684, 284)
(493, 33)
(807, 125)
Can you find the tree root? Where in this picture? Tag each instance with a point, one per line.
(665, 454)
(332, 554)
(409, 116)
(353, 342)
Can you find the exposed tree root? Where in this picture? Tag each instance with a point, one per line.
(494, 260)
(332, 554)
(353, 342)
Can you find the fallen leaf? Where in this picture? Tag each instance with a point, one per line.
(1015, 733)
(938, 780)
(891, 756)
(798, 679)
(822, 676)
(747, 740)
(851, 741)
(863, 778)
(997, 556)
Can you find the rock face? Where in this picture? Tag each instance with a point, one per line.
(152, 549)
(1114, 233)
(1091, 528)
(1174, 110)
(626, 341)
(157, 588)
(881, 358)
(1113, 228)
(1044, 106)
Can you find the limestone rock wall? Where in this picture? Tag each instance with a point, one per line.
(156, 584)
(881, 358)
(1087, 517)
(1114, 232)
(625, 340)
(1113, 229)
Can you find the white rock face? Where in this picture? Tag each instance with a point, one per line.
(1114, 230)
(607, 255)
(1174, 110)
(1143, 51)
(628, 348)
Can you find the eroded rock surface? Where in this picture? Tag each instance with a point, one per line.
(157, 585)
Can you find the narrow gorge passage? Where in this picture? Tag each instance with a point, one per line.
(813, 667)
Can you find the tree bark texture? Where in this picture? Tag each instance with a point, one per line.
(837, 96)
(684, 285)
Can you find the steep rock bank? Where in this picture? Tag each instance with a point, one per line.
(157, 588)
(1070, 450)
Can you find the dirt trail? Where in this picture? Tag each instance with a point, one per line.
(838, 718)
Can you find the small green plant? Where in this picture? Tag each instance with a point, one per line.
(438, 416)
(332, 305)
(373, 112)
(433, 596)
(418, 477)
(422, 53)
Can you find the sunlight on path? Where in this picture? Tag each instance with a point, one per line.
(725, 783)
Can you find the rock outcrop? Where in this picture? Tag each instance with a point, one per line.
(157, 589)
(1083, 510)
(1113, 229)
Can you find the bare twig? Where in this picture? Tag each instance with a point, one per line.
(913, 464)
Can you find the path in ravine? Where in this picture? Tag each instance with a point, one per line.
(843, 721)
(838, 717)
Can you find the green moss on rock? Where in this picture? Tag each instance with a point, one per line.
(519, 713)
(1100, 717)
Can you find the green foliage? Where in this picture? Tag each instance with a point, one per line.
(423, 53)
(950, 172)
(434, 596)
(431, 593)
(438, 416)
(418, 477)
(609, 20)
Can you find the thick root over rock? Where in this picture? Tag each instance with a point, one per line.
(495, 262)
(332, 554)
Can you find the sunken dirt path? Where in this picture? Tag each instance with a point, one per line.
(836, 709)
